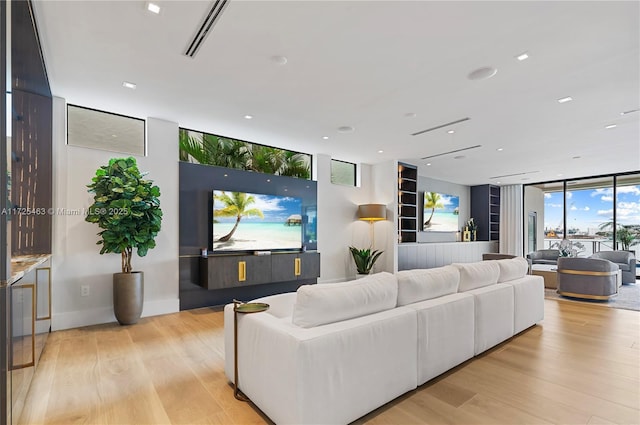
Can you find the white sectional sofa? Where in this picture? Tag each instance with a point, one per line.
(331, 353)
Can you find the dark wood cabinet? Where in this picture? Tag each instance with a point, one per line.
(232, 271)
(407, 203)
(485, 210)
(289, 267)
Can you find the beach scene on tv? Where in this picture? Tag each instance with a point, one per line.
(252, 222)
(441, 212)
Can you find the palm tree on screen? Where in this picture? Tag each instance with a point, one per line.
(236, 205)
(432, 200)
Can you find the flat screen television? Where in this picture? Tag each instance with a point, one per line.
(441, 212)
(253, 222)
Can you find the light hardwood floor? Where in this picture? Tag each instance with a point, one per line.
(580, 366)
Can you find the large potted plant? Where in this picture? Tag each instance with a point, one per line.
(127, 209)
(364, 259)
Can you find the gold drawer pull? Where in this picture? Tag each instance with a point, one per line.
(298, 267)
(242, 271)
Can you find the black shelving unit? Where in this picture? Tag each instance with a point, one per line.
(485, 210)
(407, 203)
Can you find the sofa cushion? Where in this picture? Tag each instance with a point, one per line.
(477, 275)
(512, 269)
(327, 303)
(424, 284)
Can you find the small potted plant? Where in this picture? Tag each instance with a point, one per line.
(127, 209)
(364, 259)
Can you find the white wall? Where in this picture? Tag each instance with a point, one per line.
(338, 224)
(76, 260)
(383, 186)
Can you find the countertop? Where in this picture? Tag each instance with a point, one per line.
(23, 264)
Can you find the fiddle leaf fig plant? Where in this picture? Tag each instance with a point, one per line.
(364, 258)
(127, 209)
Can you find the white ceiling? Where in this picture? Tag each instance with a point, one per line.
(367, 64)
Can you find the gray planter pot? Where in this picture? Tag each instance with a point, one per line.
(128, 296)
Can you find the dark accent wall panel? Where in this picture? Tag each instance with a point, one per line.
(197, 183)
(28, 71)
(31, 174)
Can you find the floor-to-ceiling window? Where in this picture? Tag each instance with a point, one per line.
(595, 214)
(589, 214)
(628, 212)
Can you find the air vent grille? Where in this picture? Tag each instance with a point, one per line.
(441, 126)
(514, 174)
(450, 152)
(210, 20)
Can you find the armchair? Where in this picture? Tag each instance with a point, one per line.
(590, 278)
(544, 256)
(625, 260)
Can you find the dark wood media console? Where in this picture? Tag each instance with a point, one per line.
(233, 271)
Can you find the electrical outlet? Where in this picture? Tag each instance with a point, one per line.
(84, 291)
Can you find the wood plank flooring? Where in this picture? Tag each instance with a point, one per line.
(580, 366)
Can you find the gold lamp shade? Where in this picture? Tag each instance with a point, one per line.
(372, 212)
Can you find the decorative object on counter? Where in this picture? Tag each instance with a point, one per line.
(127, 209)
(472, 227)
(364, 259)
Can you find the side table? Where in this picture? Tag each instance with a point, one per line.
(241, 308)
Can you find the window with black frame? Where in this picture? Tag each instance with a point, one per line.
(343, 172)
(210, 149)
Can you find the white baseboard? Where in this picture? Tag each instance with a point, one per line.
(98, 316)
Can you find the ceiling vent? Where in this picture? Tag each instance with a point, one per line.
(209, 21)
(450, 152)
(441, 126)
(514, 174)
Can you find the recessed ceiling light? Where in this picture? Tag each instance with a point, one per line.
(226, 175)
(325, 137)
(346, 129)
(611, 126)
(499, 149)
(280, 60)
(410, 114)
(381, 151)
(268, 180)
(114, 135)
(428, 164)
(248, 117)
(459, 157)
(522, 56)
(576, 157)
(497, 182)
(629, 112)
(483, 73)
(560, 175)
(154, 8)
(451, 131)
(565, 99)
(128, 85)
